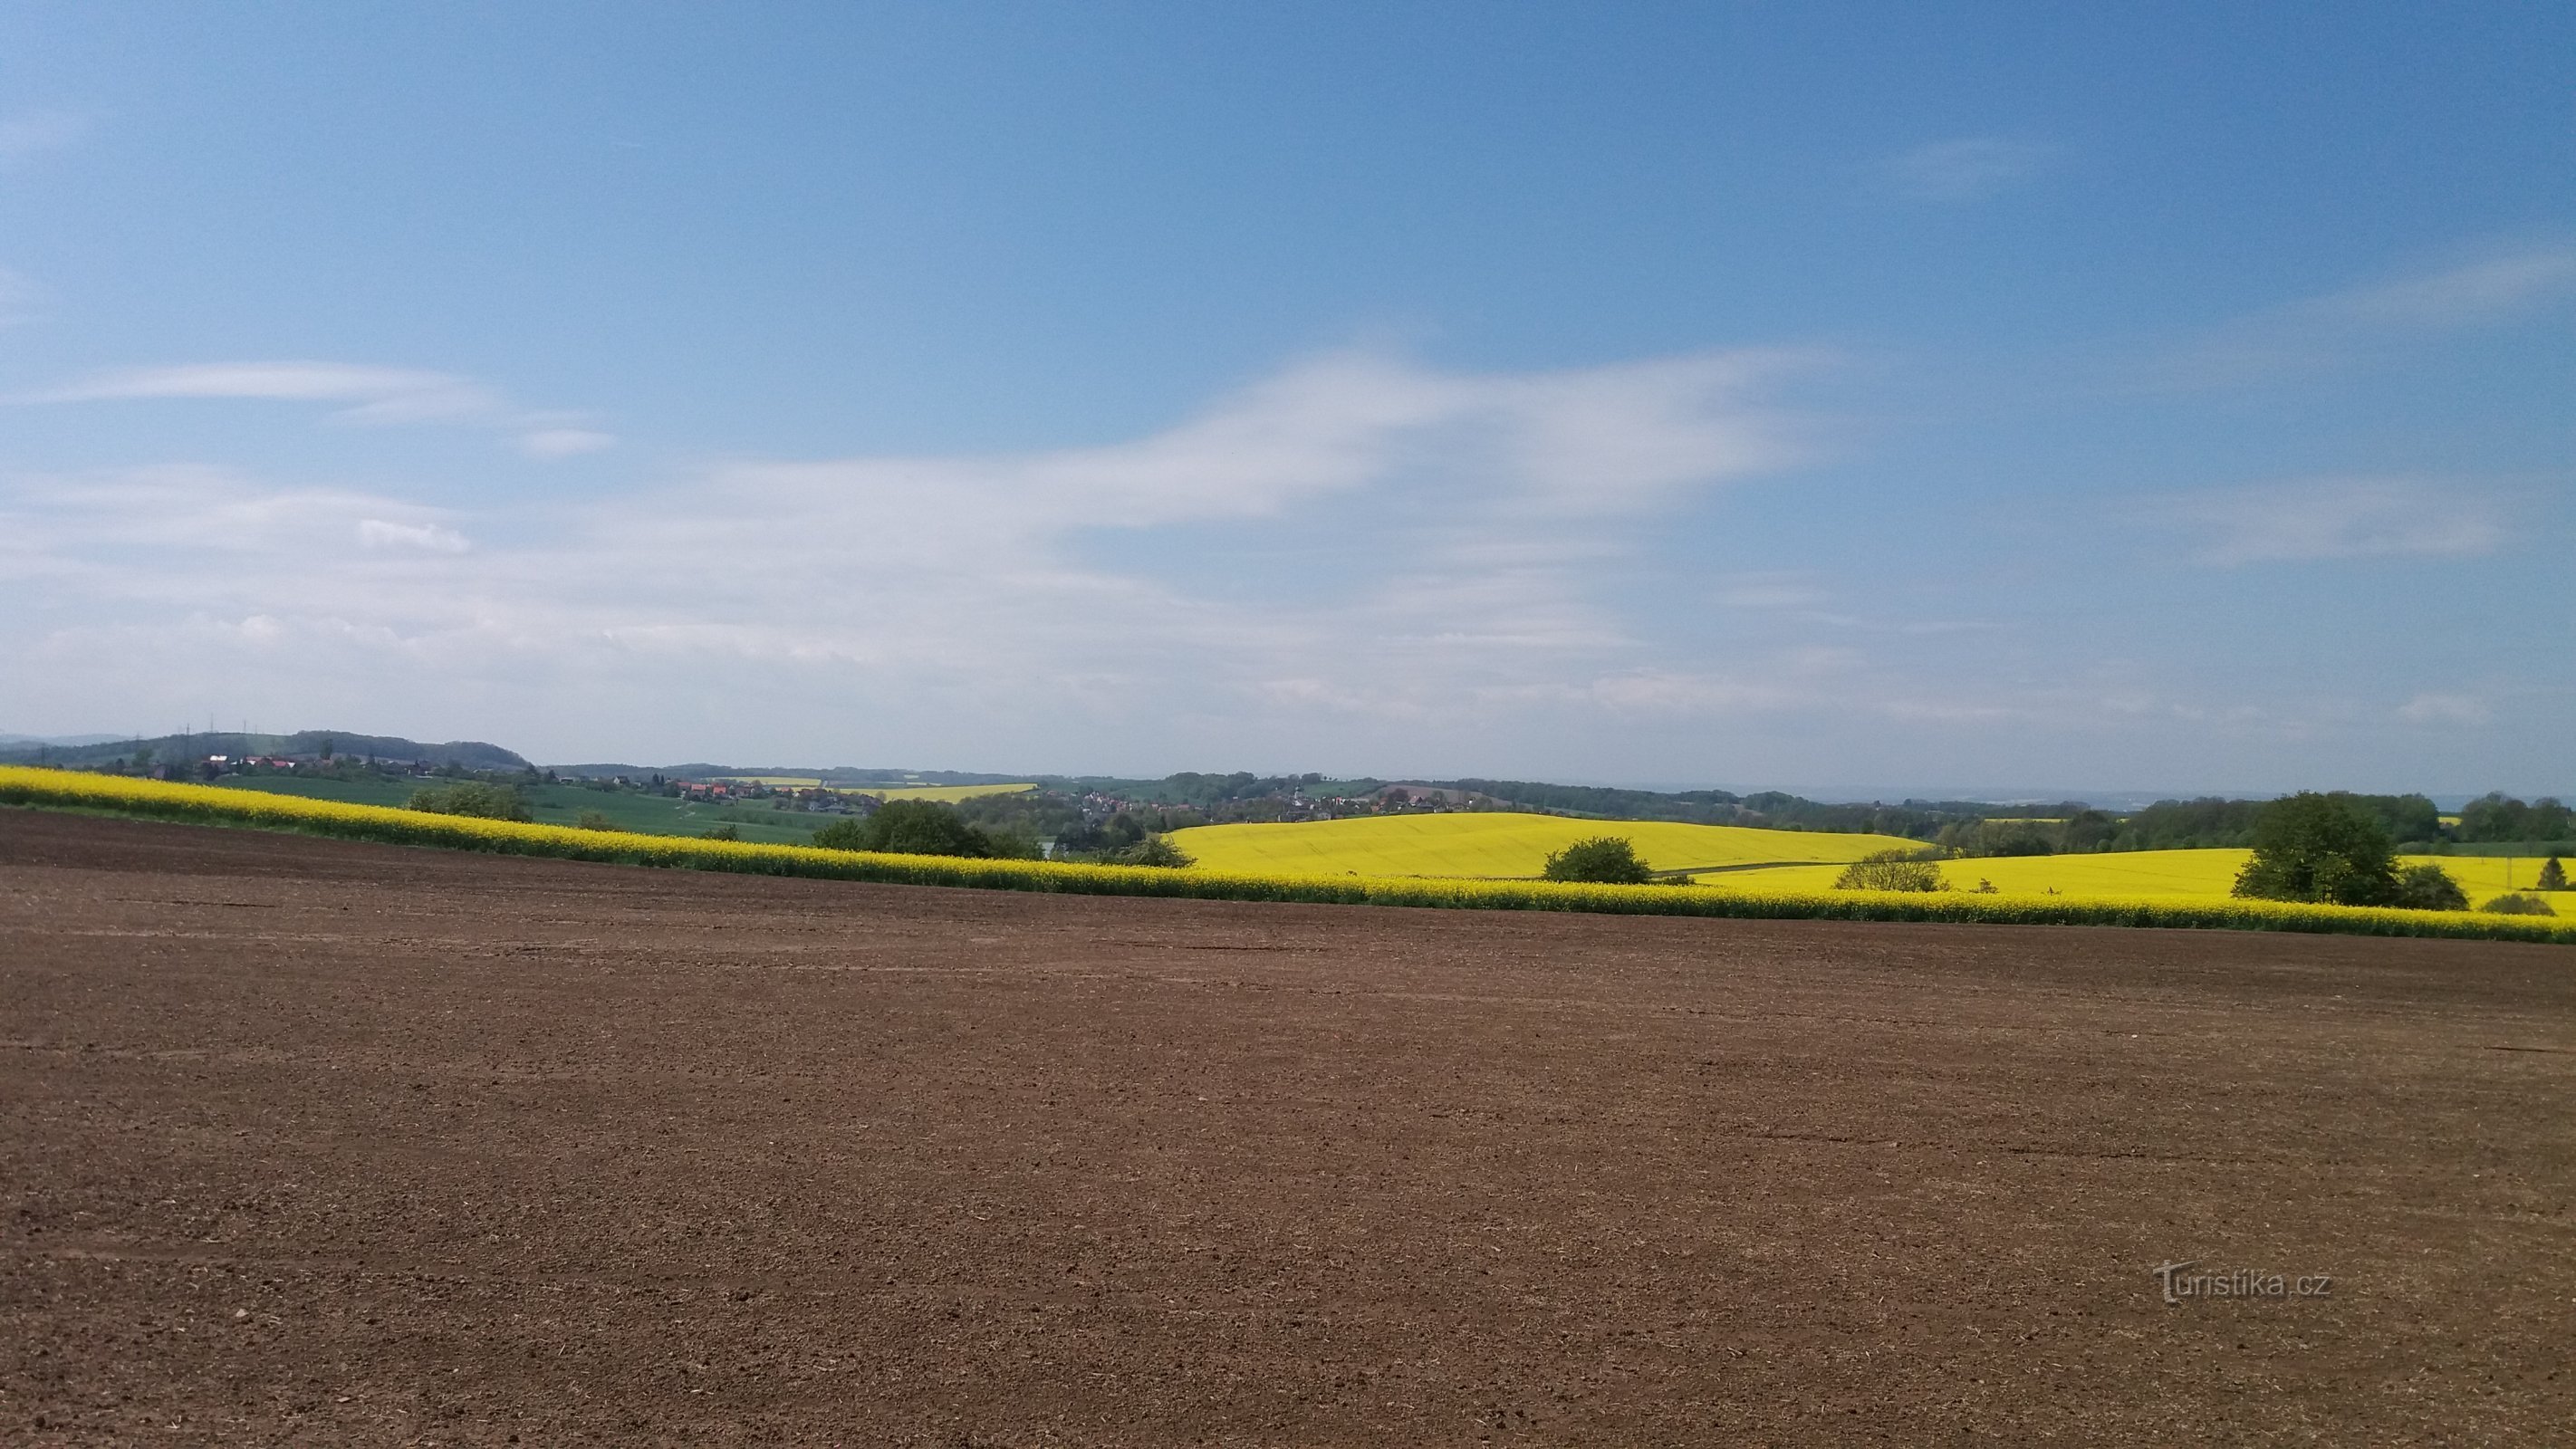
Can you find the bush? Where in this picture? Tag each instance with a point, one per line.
(2320, 848)
(593, 820)
(2518, 905)
(918, 827)
(1891, 870)
(2553, 876)
(722, 832)
(469, 797)
(2429, 888)
(1598, 860)
(1157, 851)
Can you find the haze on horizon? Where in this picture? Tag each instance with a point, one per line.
(2171, 400)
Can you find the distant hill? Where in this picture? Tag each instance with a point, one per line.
(8, 740)
(468, 754)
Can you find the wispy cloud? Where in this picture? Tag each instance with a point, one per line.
(32, 134)
(2332, 518)
(371, 394)
(19, 297)
(2445, 710)
(2343, 327)
(1482, 526)
(1965, 168)
(564, 442)
(363, 394)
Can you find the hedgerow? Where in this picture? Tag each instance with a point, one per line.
(63, 789)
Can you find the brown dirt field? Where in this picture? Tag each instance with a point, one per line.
(312, 1142)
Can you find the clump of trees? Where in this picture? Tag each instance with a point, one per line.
(2321, 848)
(2499, 817)
(2518, 904)
(1598, 860)
(1154, 850)
(470, 797)
(1891, 870)
(921, 827)
(1121, 833)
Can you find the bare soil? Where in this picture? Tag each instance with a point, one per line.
(313, 1142)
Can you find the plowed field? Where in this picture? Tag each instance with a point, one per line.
(316, 1142)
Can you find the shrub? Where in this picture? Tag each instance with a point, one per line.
(1157, 851)
(469, 797)
(2553, 876)
(2428, 888)
(1891, 870)
(593, 820)
(2518, 905)
(723, 832)
(2320, 848)
(1598, 860)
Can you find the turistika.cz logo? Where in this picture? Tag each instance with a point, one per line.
(2181, 1284)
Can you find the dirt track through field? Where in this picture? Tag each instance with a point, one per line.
(315, 1142)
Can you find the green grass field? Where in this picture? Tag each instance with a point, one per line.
(1500, 845)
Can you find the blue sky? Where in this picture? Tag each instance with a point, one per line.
(1996, 397)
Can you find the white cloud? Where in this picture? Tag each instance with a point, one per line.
(2333, 518)
(1966, 168)
(2445, 709)
(363, 394)
(379, 533)
(26, 136)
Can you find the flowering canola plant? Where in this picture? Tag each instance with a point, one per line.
(208, 804)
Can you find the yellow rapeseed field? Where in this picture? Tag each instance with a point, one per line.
(1500, 845)
(2201, 875)
(944, 794)
(61, 789)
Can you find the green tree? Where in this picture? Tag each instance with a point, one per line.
(1891, 870)
(594, 820)
(1599, 859)
(470, 797)
(2323, 848)
(2551, 820)
(2428, 888)
(2553, 876)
